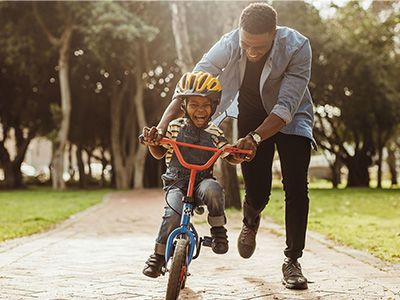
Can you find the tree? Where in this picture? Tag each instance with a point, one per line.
(357, 109)
(182, 44)
(90, 118)
(393, 152)
(62, 43)
(26, 95)
(123, 37)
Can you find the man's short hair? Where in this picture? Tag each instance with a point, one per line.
(258, 18)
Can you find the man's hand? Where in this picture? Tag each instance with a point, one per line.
(152, 136)
(246, 143)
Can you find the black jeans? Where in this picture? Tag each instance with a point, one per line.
(294, 154)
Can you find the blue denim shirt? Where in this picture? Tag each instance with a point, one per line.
(283, 81)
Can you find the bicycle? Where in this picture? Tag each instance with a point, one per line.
(184, 244)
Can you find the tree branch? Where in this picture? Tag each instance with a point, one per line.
(337, 139)
(52, 39)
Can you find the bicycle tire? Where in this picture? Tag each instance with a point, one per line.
(178, 271)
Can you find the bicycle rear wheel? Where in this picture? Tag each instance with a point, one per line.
(178, 271)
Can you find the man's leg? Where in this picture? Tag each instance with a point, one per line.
(294, 153)
(257, 175)
(171, 220)
(210, 192)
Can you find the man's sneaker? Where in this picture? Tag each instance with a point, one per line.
(247, 241)
(292, 276)
(154, 266)
(219, 243)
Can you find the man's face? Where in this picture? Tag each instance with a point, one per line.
(199, 110)
(256, 45)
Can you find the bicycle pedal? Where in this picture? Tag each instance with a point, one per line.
(206, 241)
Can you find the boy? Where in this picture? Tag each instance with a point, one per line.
(201, 94)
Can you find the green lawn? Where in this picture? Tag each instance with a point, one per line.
(26, 212)
(366, 219)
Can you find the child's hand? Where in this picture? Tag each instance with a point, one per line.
(151, 136)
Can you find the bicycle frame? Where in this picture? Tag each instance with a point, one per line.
(184, 229)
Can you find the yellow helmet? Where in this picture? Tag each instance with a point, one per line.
(199, 84)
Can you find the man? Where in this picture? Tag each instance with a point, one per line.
(264, 71)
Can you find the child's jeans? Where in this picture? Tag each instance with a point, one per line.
(208, 192)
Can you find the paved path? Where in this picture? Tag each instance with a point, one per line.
(99, 254)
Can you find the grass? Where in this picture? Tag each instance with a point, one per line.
(26, 212)
(366, 219)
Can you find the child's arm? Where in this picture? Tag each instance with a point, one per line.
(158, 152)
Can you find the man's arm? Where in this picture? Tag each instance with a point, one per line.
(293, 87)
(294, 84)
(172, 112)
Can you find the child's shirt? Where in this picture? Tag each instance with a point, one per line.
(183, 130)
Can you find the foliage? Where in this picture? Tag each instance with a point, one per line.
(113, 33)
(25, 93)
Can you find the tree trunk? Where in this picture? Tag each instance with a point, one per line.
(140, 157)
(12, 175)
(391, 161)
(89, 163)
(231, 186)
(379, 175)
(154, 168)
(63, 44)
(122, 152)
(358, 170)
(12, 168)
(335, 168)
(81, 168)
(229, 178)
(182, 42)
(71, 169)
(104, 162)
(57, 169)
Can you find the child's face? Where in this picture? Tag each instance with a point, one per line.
(199, 110)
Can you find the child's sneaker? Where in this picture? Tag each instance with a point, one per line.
(154, 265)
(219, 240)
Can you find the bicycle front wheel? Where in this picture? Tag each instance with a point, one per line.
(178, 272)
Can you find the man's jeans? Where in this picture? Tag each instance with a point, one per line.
(208, 192)
(294, 154)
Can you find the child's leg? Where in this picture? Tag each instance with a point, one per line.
(210, 192)
(171, 220)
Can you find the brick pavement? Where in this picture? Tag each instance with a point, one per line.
(99, 254)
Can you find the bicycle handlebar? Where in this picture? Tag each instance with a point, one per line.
(208, 164)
